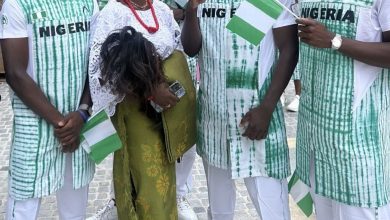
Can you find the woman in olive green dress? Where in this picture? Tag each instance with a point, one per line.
(127, 73)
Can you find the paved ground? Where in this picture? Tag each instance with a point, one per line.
(100, 187)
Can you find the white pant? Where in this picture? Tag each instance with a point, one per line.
(72, 204)
(184, 172)
(269, 195)
(328, 209)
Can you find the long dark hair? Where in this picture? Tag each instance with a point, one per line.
(130, 64)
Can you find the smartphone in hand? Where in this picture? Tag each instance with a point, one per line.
(177, 89)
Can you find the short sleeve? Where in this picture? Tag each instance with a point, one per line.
(383, 10)
(13, 21)
(285, 18)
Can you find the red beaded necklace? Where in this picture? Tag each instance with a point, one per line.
(150, 29)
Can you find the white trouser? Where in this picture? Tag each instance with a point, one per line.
(72, 204)
(184, 172)
(328, 209)
(269, 195)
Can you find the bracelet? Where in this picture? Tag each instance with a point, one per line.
(83, 115)
(86, 108)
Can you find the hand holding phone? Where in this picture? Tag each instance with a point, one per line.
(176, 89)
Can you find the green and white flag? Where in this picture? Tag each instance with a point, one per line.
(254, 18)
(99, 137)
(300, 192)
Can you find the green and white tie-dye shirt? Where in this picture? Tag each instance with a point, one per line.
(58, 37)
(344, 110)
(234, 78)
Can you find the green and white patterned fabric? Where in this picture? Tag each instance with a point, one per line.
(58, 34)
(235, 77)
(345, 108)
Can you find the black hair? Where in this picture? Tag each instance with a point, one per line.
(130, 64)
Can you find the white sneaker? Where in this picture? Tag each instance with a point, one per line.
(293, 106)
(184, 210)
(108, 212)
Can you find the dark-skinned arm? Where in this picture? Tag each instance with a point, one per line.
(257, 120)
(71, 125)
(191, 36)
(16, 56)
(316, 34)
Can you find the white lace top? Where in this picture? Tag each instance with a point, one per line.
(115, 16)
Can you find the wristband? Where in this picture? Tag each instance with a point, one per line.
(83, 115)
(86, 108)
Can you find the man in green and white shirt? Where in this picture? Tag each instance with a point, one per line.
(343, 140)
(241, 84)
(45, 48)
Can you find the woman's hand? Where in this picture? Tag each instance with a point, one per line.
(163, 97)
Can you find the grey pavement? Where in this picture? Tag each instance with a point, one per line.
(100, 188)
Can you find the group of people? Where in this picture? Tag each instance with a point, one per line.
(64, 57)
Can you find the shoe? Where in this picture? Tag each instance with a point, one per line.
(108, 212)
(283, 99)
(293, 106)
(184, 210)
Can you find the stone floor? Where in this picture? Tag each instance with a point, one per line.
(99, 192)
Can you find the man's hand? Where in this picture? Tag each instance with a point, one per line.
(314, 33)
(256, 123)
(68, 131)
(195, 3)
(163, 97)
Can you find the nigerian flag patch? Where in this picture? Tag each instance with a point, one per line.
(38, 15)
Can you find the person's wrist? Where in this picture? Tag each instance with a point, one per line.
(56, 119)
(336, 42)
(266, 108)
(83, 114)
